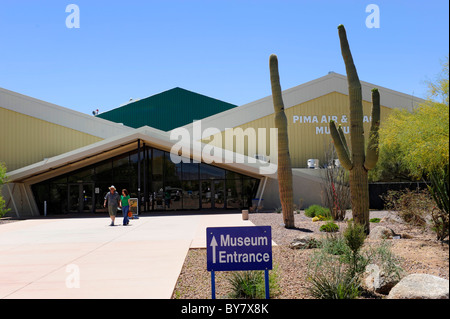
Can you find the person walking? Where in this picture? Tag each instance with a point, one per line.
(125, 204)
(113, 200)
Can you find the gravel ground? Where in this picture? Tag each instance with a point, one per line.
(7, 220)
(419, 253)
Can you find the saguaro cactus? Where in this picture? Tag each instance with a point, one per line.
(358, 162)
(284, 160)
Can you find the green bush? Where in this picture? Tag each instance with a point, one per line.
(335, 269)
(277, 210)
(374, 220)
(334, 244)
(334, 286)
(329, 227)
(354, 236)
(251, 284)
(3, 180)
(317, 210)
(439, 190)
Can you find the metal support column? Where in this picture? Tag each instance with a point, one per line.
(262, 191)
(145, 179)
(139, 177)
(11, 197)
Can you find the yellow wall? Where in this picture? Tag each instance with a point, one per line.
(25, 140)
(309, 136)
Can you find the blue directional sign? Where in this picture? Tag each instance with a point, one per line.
(239, 248)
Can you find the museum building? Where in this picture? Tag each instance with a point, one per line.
(63, 161)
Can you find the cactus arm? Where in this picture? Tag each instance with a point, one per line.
(372, 146)
(340, 144)
(343, 139)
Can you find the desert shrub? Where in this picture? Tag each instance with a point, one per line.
(382, 255)
(278, 210)
(411, 205)
(335, 190)
(3, 210)
(329, 227)
(3, 180)
(439, 190)
(335, 285)
(251, 284)
(317, 210)
(440, 223)
(335, 270)
(354, 236)
(328, 272)
(334, 244)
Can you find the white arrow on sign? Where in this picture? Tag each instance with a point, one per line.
(214, 245)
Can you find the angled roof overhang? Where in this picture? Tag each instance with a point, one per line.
(125, 142)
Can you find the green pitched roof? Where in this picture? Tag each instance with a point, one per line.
(167, 110)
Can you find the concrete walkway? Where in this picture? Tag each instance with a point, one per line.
(86, 258)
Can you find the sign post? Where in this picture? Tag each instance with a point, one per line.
(239, 248)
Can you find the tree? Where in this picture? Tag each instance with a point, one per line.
(357, 160)
(419, 140)
(284, 160)
(439, 89)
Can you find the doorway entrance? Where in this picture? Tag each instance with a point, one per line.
(81, 198)
(213, 195)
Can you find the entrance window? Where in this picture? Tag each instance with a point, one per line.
(103, 172)
(165, 185)
(209, 172)
(84, 175)
(191, 194)
(80, 197)
(234, 193)
(157, 165)
(122, 169)
(57, 199)
(190, 171)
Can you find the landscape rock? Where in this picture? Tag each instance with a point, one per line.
(381, 232)
(305, 242)
(391, 219)
(420, 286)
(377, 280)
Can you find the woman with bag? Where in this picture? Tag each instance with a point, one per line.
(125, 204)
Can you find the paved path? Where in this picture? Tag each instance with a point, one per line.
(48, 258)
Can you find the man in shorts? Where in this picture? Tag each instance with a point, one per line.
(113, 199)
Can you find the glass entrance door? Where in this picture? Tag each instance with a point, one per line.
(81, 198)
(207, 195)
(213, 195)
(219, 193)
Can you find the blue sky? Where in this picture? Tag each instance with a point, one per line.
(218, 48)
